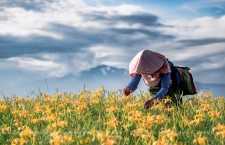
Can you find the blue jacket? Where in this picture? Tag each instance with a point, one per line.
(164, 85)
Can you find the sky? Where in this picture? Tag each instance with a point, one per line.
(53, 38)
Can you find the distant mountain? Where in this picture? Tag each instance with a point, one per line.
(93, 78)
(99, 71)
(103, 71)
(111, 78)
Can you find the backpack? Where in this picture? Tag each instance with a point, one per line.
(182, 80)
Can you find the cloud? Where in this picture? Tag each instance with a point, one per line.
(58, 41)
(198, 42)
(217, 5)
(206, 61)
(36, 5)
(145, 19)
(198, 28)
(23, 23)
(51, 64)
(110, 55)
(68, 27)
(55, 38)
(35, 65)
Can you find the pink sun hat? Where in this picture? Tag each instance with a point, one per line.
(148, 62)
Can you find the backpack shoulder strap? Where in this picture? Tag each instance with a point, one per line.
(182, 67)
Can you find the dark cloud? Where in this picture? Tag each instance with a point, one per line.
(139, 18)
(145, 19)
(13, 46)
(34, 5)
(152, 34)
(198, 42)
(112, 36)
(74, 39)
(78, 36)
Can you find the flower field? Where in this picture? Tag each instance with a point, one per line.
(107, 118)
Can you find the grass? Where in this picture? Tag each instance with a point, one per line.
(108, 117)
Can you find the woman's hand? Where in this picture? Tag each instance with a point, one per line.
(149, 103)
(127, 91)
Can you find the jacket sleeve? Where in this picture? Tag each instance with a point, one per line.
(134, 82)
(164, 87)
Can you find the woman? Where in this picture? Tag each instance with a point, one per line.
(155, 71)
